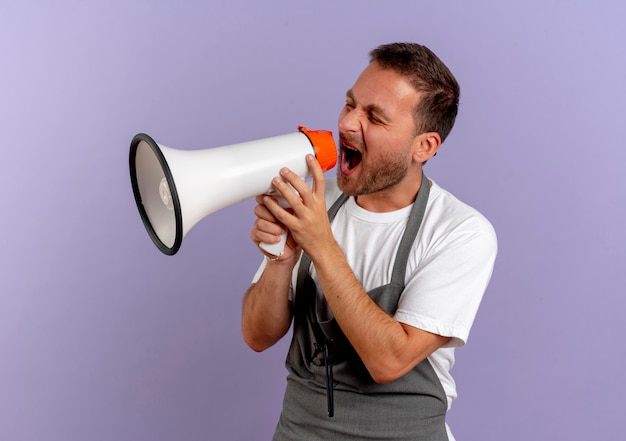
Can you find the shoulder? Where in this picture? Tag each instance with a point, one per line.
(450, 212)
(449, 221)
(450, 268)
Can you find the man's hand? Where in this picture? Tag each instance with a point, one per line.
(307, 219)
(268, 229)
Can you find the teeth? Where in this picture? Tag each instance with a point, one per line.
(352, 150)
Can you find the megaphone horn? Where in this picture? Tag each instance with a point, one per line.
(175, 189)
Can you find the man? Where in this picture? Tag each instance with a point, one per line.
(386, 283)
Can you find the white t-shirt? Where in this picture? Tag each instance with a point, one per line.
(447, 273)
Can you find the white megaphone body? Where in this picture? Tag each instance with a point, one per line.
(175, 189)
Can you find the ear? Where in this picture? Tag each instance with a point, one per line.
(425, 146)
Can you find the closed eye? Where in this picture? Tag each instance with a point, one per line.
(372, 117)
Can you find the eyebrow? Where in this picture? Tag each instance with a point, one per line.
(373, 108)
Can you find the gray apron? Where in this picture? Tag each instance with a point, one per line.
(330, 395)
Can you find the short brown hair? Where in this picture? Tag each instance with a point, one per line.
(438, 106)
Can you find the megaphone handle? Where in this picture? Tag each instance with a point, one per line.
(277, 249)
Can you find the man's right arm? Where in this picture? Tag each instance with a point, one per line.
(266, 310)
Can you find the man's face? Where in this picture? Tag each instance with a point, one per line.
(376, 132)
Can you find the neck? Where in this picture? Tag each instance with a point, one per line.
(393, 198)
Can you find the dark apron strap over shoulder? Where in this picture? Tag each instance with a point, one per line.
(410, 233)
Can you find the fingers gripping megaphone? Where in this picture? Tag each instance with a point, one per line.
(175, 189)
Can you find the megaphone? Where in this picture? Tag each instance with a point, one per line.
(175, 189)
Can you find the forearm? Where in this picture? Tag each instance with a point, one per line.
(388, 348)
(266, 309)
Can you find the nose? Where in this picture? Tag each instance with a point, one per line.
(349, 120)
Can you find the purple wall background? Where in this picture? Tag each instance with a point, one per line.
(103, 338)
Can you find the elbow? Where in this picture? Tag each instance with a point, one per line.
(256, 345)
(258, 341)
(253, 342)
(384, 377)
(386, 372)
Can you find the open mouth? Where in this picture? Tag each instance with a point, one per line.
(350, 158)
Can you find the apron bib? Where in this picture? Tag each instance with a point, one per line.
(330, 395)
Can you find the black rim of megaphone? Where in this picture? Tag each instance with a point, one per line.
(170, 182)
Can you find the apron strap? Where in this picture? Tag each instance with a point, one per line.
(410, 233)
